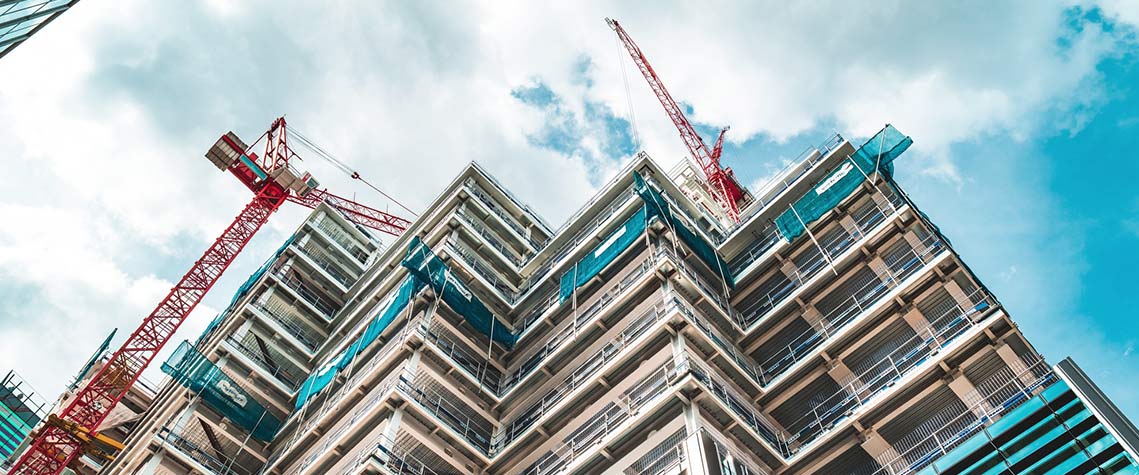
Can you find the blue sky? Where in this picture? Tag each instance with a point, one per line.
(1025, 135)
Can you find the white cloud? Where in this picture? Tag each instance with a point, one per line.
(108, 111)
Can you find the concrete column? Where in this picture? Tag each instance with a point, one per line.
(814, 317)
(151, 465)
(848, 224)
(919, 247)
(1015, 364)
(957, 294)
(967, 392)
(390, 432)
(693, 446)
(842, 374)
(875, 445)
(919, 323)
(879, 266)
(789, 268)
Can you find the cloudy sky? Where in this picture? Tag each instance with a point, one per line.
(1025, 121)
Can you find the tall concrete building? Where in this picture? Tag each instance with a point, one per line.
(833, 331)
(20, 19)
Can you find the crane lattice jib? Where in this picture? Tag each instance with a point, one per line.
(55, 446)
(721, 183)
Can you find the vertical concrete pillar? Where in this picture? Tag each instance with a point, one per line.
(849, 225)
(875, 445)
(789, 269)
(958, 295)
(814, 318)
(919, 323)
(919, 247)
(693, 444)
(842, 375)
(1015, 364)
(879, 266)
(968, 394)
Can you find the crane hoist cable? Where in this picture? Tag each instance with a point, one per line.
(352, 173)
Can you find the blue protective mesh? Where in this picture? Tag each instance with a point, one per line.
(601, 256)
(194, 371)
(425, 265)
(877, 154)
(657, 206)
(389, 310)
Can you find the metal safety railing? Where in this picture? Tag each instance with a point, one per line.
(609, 418)
(831, 248)
(193, 442)
(787, 177)
(306, 292)
(292, 320)
(269, 359)
(315, 412)
(488, 236)
(326, 261)
(726, 346)
(740, 405)
(445, 409)
(338, 235)
(859, 391)
(581, 375)
(847, 311)
(488, 274)
(477, 191)
(1007, 391)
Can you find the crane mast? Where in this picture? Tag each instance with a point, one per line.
(273, 182)
(721, 182)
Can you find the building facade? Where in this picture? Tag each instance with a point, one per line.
(833, 331)
(21, 409)
(20, 19)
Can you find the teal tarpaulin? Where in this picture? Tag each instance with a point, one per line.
(425, 265)
(877, 154)
(255, 276)
(656, 205)
(389, 310)
(602, 255)
(194, 371)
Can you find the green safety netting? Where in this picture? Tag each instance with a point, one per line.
(242, 291)
(602, 255)
(191, 369)
(389, 310)
(425, 265)
(657, 206)
(877, 154)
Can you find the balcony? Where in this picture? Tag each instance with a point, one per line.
(582, 375)
(741, 407)
(833, 245)
(993, 400)
(306, 292)
(901, 361)
(504, 217)
(842, 313)
(292, 321)
(324, 260)
(337, 234)
(269, 360)
(612, 417)
(489, 237)
(446, 408)
(209, 451)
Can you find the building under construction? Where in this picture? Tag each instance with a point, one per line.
(834, 330)
(677, 323)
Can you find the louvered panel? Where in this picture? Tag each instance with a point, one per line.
(938, 304)
(852, 462)
(884, 345)
(799, 409)
(859, 281)
(778, 344)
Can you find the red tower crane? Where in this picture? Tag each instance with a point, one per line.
(272, 182)
(720, 181)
